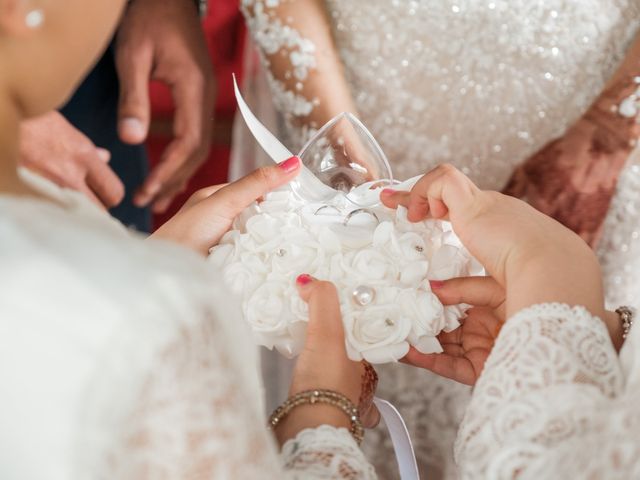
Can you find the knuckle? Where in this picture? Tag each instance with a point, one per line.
(264, 175)
(191, 143)
(448, 170)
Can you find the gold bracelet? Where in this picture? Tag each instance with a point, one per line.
(626, 318)
(329, 397)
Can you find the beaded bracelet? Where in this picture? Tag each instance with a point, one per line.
(311, 397)
(626, 318)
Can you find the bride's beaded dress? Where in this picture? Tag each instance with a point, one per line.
(482, 84)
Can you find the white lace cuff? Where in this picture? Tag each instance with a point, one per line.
(325, 452)
(550, 368)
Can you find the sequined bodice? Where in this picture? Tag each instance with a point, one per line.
(482, 84)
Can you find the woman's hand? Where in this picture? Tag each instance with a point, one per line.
(465, 349)
(210, 212)
(533, 257)
(324, 364)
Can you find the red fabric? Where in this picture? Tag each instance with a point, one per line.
(225, 33)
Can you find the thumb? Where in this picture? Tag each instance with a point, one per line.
(134, 71)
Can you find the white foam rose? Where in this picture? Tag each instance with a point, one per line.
(425, 309)
(377, 334)
(266, 228)
(427, 344)
(296, 252)
(414, 274)
(405, 246)
(448, 262)
(276, 202)
(245, 274)
(453, 314)
(222, 255)
(266, 310)
(268, 313)
(369, 265)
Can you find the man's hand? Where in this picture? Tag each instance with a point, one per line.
(164, 41)
(55, 149)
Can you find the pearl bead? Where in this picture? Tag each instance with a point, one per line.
(363, 295)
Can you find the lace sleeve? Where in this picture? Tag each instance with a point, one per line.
(551, 403)
(198, 416)
(303, 68)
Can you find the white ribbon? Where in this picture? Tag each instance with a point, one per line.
(402, 446)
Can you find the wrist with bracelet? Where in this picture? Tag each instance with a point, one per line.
(625, 314)
(320, 397)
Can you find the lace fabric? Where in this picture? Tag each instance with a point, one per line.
(131, 363)
(552, 402)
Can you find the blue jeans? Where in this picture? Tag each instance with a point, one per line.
(93, 110)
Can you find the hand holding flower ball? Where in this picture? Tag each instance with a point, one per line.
(380, 264)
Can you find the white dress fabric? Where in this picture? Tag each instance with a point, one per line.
(554, 401)
(482, 84)
(121, 360)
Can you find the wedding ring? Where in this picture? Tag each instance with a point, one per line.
(358, 212)
(327, 206)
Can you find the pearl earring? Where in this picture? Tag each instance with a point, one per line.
(34, 19)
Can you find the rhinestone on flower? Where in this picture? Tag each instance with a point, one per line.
(281, 252)
(363, 295)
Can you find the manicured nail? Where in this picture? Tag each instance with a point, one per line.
(304, 279)
(290, 164)
(133, 128)
(436, 284)
(388, 191)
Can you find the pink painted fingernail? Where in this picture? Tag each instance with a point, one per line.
(436, 284)
(304, 279)
(290, 164)
(388, 191)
